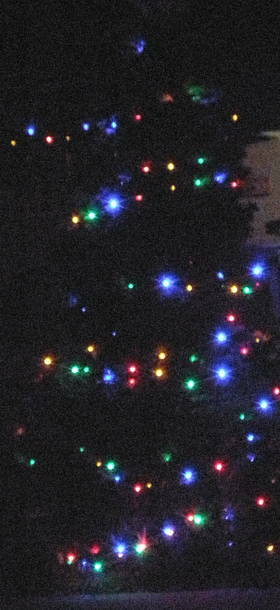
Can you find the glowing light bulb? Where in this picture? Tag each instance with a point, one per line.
(167, 457)
(146, 168)
(201, 160)
(98, 566)
(173, 188)
(86, 126)
(139, 197)
(198, 519)
(234, 289)
(130, 285)
(219, 466)
(234, 117)
(91, 348)
(222, 373)
(276, 391)
(189, 287)
(109, 376)
(190, 517)
(162, 355)
(95, 549)
(170, 166)
(32, 462)
(221, 337)
(231, 317)
(49, 139)
(190, 384)
(132, 369)
(189, 476)
(168, 531)
(264, 404)
(131, 382)
(244, 351)
(257, 270)
(220, 275)
(75, 219)
(120, 549)
(149, 485)
(82, 449)
(86, 369)
(159, 373)
(261, 501)
(75, 369)
(13, 143)
(138, 488)
(98, 464)
(71, 558)
(220, 177)
(30, 130)
(91, 215)
(68, 138)
(193, 358)
(111, 466)
(247, 290)
(270, 548)
(242, 416)
(140, 547)
(48, 361)
(138, 117)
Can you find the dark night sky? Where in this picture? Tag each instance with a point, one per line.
(59, 56)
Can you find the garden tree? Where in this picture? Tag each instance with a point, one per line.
(137, 383)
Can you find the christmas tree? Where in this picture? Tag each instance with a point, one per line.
(140, 409)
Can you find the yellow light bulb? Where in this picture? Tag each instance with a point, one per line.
(270, 548)
(48, 360)
(90, 348)
(173, 188)
(189, 287)
(75, 219)
(149, 485)
(170, 166)
(159, 373)
(98, 463)
(234, 289)
(67, 138)
(258, 340)
(162, 355)
(13, 143)
(234, 117)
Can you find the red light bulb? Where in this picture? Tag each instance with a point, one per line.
(276, 391)
(244, 350)
(261, 501)
(49, 139)
(139, 197)
(138, 488)
(231, 317)
(190, 517)
(138, 117)
(131, 382)
(219, 466)
(95, 549)
(132, 369)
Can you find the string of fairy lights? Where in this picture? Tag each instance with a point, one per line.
(96, 556)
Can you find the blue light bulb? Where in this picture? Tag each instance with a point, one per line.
(251, 437)
(221, 337)
(189, 476)
(220, 177)
(169, 531)
(257, 270)
(30, 130)
(109, 376)
(264, 404)
(222, 373)
(220, 275)
(86, 126)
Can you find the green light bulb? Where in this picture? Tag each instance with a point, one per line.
(242, 416)
(193, 358)
(167, 457)
(190, 383)
(91, 215)
(131, 286)
(198, 519)
(32, 462)
(247, 290)
(111, 466)
(140, 547)
(75, 369)
(201, 160)
(82, 449)
(86, 369)
(98, 566)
